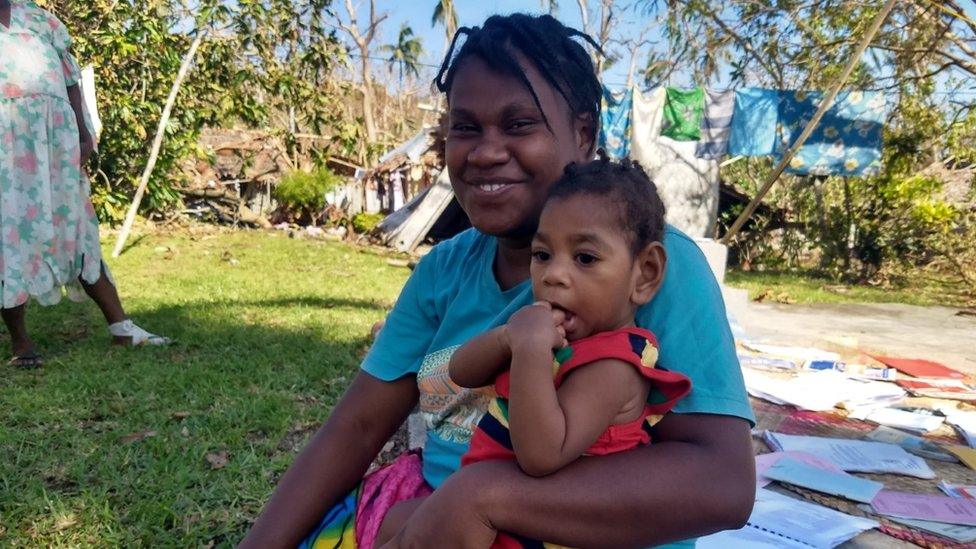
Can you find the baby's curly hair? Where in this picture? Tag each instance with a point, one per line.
(624, 182)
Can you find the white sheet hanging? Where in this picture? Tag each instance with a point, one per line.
(688, 185)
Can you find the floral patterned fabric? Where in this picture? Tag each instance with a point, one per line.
(848, 139)
(614, 135)
(48, 227)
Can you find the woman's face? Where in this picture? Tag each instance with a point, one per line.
(500, 155)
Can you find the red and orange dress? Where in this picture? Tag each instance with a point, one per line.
(635, 346)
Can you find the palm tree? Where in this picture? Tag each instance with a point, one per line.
(445, 14)
(405, 54)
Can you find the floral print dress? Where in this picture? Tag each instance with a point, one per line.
(48, 228)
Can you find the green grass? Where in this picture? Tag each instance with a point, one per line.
(269, 331)
(921, 289)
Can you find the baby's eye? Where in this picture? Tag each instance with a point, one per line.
(540, 255)
(586, 259)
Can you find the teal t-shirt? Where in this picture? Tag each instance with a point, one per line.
(453, 296)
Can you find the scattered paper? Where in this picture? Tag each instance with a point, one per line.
(901, 419)
(854, 455)
(782, 521)
(951, 389)
(837, 484)
(820, 391)
(958, 490)
(765, 461)
(921, 368)
(801, 355)
(766, 363)
(964, 422)
(926, 507)
(913, 444)
(956, 532)
(965, 454)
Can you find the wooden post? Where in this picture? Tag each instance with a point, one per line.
(157, 144)
(824, 106)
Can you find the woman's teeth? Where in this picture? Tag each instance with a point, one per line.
(493, 187)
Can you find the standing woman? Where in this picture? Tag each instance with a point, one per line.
(48, 229)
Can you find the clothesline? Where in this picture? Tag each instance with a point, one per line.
(750, 122)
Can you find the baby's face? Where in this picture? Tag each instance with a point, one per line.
(583, 265)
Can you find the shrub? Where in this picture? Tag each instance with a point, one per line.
(302, 194)
(366, 222)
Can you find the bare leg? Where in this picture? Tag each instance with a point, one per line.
(104, 294)
(123, 330)
(20, 343)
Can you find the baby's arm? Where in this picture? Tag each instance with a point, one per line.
(551, 428)
(477, 361)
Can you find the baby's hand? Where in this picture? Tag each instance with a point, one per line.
(536, 326)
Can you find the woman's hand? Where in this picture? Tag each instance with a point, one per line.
(87, 146)
(536, 326)
(85, 140)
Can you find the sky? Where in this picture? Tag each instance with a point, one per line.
(417, 14)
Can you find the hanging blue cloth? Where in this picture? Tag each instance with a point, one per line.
(615, 122)
(848, 139)
(754, 122)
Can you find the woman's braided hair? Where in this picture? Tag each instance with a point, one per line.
(640, 209)
(543, 40)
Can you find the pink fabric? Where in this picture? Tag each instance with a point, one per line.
(384, 488)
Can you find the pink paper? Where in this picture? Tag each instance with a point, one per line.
(926, 507)
(765, 461)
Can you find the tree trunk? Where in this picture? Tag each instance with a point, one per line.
(367, 90)
(157, 143)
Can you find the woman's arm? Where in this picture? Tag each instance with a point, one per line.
(552, 428)
(84, 137)
(479, 360)
(334, 460)
(697, 478)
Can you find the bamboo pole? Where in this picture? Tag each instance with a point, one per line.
(157, 144)
(805, 134)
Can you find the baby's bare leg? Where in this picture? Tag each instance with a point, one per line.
(395, 519)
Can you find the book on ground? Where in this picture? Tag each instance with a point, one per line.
(782, 521)
(917, 367)
(854, 455)
(950, 389)
(765, 461)
(911, 443)
(800, 474)
(930, 507)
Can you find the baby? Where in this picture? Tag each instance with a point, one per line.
(574, 375)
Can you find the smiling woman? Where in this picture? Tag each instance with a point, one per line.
(523, 102)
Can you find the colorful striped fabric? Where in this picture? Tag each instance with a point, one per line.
(355, 521)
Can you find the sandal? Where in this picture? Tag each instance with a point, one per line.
(128, 333)
(27, 361)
